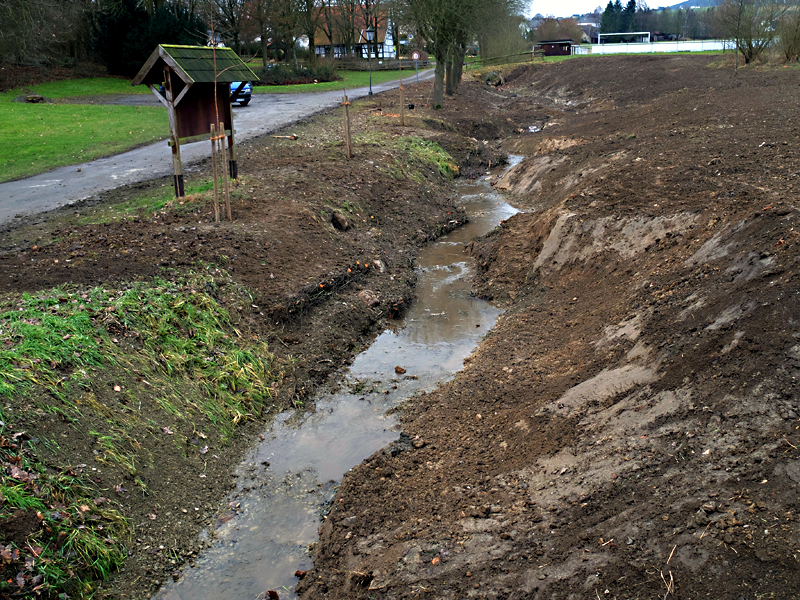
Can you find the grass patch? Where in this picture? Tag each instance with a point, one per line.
(413, 151)
(349, 80)
(431, 153)
(172, 332)
(61, 534)
(143, 204)
(35, 138)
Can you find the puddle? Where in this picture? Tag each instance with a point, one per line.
(290, 477)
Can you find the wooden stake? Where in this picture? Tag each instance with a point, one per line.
(348, 144)
(402, 107)
(177, 165)
(225, 173)
(214, 168)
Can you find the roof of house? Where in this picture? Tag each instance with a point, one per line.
(359, 32)
(195, 64)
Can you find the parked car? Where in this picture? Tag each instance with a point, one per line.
(244, 94)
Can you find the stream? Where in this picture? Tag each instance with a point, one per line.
(288, 480)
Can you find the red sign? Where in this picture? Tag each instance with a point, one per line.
(415, 56)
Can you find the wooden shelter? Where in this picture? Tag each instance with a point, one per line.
(196, 91)
(556, 47)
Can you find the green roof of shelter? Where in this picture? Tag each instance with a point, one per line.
(195, 64)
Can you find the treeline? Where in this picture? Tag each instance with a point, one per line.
(754, 26)
(689, 23)
(121, 34)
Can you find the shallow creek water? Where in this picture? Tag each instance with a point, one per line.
(287, 480)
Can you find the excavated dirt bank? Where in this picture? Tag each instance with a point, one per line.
(630, 427)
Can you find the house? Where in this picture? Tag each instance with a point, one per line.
(339, 48)
(590, 31)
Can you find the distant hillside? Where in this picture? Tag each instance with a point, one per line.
(694, 3)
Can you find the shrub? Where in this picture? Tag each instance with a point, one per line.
(286, 75)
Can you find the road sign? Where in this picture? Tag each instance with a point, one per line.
(415, 55)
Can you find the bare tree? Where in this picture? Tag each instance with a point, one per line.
(278, 23)
(338, 21)
(788, 31)
(39, 32)
(558, 29)
(372, 15)
(449, 25)
(502, 35)
(751, 24)
(231, 21)
(309, 18)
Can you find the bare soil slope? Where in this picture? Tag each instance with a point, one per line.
(630, 427)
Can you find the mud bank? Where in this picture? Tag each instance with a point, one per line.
(630, 427)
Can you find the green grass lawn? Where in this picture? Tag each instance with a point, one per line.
(350, 80)
(35, 138)
(94, 86)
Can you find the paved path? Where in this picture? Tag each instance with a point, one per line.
(63, 186)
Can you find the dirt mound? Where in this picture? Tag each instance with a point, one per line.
(630, 427)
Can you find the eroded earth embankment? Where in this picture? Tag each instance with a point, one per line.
(630, 427)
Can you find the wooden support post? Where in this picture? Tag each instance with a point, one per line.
(177, 166)
(225, 172)
(232, 166)
(348, 143)
(214, 169)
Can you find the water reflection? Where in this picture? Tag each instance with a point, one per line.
(260, 543)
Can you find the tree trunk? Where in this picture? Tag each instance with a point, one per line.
(448, 76)
(264, 48)
(458, 67)
(312, 53)
(438, 83)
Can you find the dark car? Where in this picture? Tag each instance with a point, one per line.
(243, 98)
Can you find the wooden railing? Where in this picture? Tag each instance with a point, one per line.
(506, 60)
(379, 64)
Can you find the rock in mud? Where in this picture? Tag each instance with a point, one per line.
(369, 298)
(339, 221)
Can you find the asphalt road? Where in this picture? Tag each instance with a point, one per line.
(63, 186)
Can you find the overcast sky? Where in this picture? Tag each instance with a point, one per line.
(567, 8)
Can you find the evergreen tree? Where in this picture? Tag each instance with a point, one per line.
(609, 22)
(628, 14)
(125, 37)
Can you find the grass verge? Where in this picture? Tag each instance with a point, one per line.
(150, 358)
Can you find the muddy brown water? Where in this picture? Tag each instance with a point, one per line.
(287, 481)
